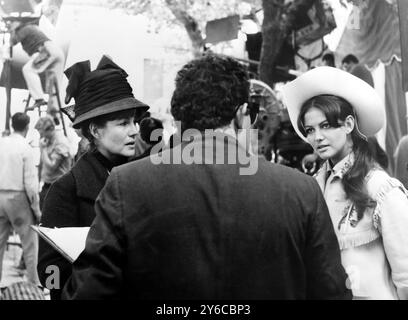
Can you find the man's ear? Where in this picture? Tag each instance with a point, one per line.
(243, 116)
(237, 121)
(244, 109)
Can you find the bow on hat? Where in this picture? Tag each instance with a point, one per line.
(75, 75)
(77, 72)
(98, 92)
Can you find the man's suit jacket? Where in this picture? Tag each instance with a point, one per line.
(204, 231)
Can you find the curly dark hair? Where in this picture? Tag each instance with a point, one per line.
(208, 91)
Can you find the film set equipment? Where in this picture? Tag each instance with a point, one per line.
(277, 140)
(11, 76)
(289, 148)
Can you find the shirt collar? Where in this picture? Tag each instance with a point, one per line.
(342, 167)
(16, 135)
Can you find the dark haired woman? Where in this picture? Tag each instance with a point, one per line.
(335, 112)
(106, 112)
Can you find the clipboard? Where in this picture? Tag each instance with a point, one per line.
(69, 241)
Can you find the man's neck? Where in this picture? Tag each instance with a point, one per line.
(227, 130)
(242, 139)
(21, 133)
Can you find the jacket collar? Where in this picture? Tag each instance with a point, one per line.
(90, 175)
(216, 142)
(212, 147)
(338, 171)
(342, 167)
(17, 136)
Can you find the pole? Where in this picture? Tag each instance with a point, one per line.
(7, 75)
(403, 24)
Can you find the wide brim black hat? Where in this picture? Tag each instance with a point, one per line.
(102, 91)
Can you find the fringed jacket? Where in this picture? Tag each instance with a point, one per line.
(374, 249)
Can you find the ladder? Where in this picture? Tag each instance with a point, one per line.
(52, 91)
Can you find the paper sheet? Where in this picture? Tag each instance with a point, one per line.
(69, 241)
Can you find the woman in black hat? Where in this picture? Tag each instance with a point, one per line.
(106, 112)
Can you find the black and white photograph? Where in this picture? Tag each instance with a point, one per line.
(203, 157)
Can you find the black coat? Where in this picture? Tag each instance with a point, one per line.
(70, 203)
(204, 231)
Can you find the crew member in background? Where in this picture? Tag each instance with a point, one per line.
(44, 55)
(351, 64)
(56, 158)
(19, 203)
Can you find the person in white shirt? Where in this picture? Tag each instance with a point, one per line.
(19, 199)
(336, 113)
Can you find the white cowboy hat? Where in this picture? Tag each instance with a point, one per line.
(367, 104)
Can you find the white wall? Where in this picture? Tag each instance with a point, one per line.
(91, 31)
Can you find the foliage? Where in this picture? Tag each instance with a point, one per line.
(162, 11)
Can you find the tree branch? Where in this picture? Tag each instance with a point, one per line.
(190, 24)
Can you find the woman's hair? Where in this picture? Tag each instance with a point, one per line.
(379, 154)
(101, 121)
(208, 91)
(336, 110)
